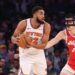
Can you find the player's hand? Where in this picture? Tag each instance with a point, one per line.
(15, 40)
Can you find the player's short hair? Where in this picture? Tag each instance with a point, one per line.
(70, 15)
(36, 8)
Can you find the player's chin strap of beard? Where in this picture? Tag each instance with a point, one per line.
(67, 24)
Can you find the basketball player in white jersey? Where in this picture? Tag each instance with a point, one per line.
(68, 34)
(32, 59)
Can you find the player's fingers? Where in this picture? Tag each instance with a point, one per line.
(17, 39)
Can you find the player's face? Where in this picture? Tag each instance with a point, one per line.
(71, 28)
(40, 16)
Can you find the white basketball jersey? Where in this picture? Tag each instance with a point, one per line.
(35, 34)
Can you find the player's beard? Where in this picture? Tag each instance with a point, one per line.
(40, 21)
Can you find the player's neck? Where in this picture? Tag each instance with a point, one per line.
(34, 23)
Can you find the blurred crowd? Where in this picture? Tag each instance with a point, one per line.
(12, 11)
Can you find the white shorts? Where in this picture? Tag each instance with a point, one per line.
(32, 61)
(68, 70)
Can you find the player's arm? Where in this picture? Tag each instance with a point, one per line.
(19, 29)
(45, 37)
(56, 39)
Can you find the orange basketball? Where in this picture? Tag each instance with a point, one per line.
(22, 41)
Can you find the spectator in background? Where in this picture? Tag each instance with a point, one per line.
(21, 7)
(11, 56)
(11, 73)
(3, 53)
(64, 56)
(2, 39)
(12, 47)
(50, 66)
(1, 71)
(4, 68)
(57, 60)
(4, 25)
(14, 66)
(50, 61)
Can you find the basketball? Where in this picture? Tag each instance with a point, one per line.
(22, 41)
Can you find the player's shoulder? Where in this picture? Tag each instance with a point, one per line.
(22, 21)
(47, 24)
(62, 33)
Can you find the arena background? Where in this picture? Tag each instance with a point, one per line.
(12, 11)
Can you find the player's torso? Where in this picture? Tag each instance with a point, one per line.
(71, 45)
(36, 35)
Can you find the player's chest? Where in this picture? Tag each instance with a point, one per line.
(71, 44)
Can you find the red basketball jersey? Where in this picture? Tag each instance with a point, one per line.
(71, 45)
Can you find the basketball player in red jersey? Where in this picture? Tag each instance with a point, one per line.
(68, 34)
(32, 59)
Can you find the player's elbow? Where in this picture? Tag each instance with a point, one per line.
(44, 46)
(47, 46)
